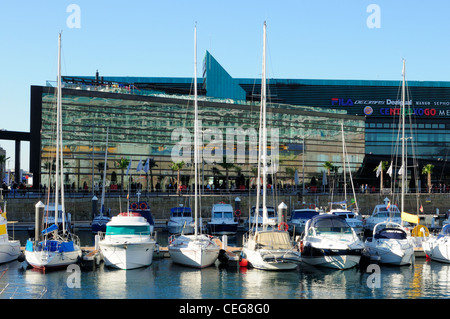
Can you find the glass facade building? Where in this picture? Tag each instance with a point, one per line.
(141, 126)
(143, 112)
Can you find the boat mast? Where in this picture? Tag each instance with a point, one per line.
(58, 124)
(195, 135)
(264, 131)
(102, 210)
(343, 164)
(403, 166)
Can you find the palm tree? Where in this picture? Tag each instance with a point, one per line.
(151, 164)
(384, 166)
(329, 166)
(122, 164)
(428, 170)
(177, 167)
(290, 172)
(227, 167)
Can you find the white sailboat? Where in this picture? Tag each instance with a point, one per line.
(390, 242)
(9, 249)
(197, 250)
(438, 248)
(352, 217)
(59, 247)
(128, 242)
(267, 249)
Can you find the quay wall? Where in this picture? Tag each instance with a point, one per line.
(23, 209)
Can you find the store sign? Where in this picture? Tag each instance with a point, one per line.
(413, 111)
(391, 107)
(341, 102)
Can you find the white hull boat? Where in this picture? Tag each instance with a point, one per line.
(49, 256)
(390, 245)
(330, 242)
(438, 248)
(128, 255)
(181, 221)
(127, 243)
(9, 251)
(222, 220)
(271, 250)
(383, 213)
(198, 251)
(298, 219)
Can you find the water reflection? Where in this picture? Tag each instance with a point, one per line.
(166, 280)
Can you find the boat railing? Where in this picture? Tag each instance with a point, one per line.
(140, 236)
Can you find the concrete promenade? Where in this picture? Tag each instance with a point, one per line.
(22, 208)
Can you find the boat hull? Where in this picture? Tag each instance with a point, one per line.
(331, 258)
(127, 255)
(196, 253)
(336, 262)
(271, 259)
(438, 250)
(176, 228)
(51, 259)
(99, 224)
(9, 251)
(391, 257)
(222, 229)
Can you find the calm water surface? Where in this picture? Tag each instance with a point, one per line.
(165, 280)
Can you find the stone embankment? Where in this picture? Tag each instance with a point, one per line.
(22, 209)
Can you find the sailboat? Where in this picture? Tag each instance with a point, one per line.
(352, 217)
(390, 243)
(197, 250)
(59, 248)
(267, 249)
(438, 248)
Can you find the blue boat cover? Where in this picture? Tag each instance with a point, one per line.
(29, 246)
(50, 229)
(66, 246)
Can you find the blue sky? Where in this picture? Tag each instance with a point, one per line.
(324, 39)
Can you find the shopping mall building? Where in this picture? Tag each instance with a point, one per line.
(142, 114)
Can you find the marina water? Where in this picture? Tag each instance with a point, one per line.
(165, 280)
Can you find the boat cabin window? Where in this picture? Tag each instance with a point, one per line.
(390, 233)
(270, 212)
(227, 215)
(223, 215)
(181, 212)
(332, 225)
(127, 230)
(304, 214)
